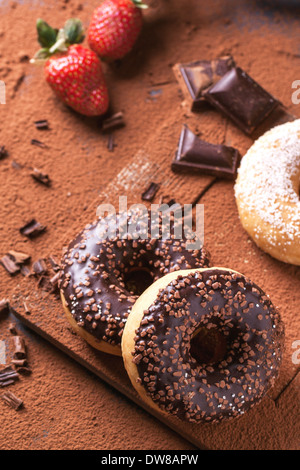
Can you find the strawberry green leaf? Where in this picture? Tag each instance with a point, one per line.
(73, 31)
(46, 34)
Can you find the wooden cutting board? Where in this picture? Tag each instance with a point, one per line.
(270, 425)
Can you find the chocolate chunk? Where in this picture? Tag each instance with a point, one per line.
(10, 266)
(196, 77)
(241, 99)
(32, 229)
(42, 124)
(194, 154)
(113, 122)
(150, 192)
(111, 143)
(41, 177)
(12, 400)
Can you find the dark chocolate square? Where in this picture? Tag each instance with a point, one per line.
(199, 75)
(195, 154)
(242, 99)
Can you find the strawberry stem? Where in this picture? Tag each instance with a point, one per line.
(54, 40)
(140, 4)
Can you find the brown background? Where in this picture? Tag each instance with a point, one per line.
(65, 406)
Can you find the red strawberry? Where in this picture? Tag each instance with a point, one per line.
(115, 27)
(77, 79)
(73, 72)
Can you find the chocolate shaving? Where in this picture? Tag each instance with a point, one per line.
(111, 143)
(10, 399)
(38, 143)
(54, 263)
(32, 229)
(18, 257)
(3, 152)
(19, 362)
(54, 280)
(45, 284)
(8, 374)
(19, 347)
(113, 122)
(42, 124)
(150, 192)
(4, 306)
(39, 267)
(27, 310)
(10, 266)
(41, 177)
(25, 271)
(24, 370)
(12, 329)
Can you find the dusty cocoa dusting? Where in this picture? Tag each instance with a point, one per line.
(263, 39)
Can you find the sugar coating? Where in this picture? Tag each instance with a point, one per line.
(268, 182)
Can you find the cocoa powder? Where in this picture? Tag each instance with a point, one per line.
(65, 407)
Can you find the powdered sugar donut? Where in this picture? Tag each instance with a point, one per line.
(267, 192)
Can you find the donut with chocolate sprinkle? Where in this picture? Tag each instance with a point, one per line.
(203, 345)
(107, 266)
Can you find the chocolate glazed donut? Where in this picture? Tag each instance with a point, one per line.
(95, 291)
(163, 344)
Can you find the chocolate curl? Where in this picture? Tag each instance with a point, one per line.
(10, 399)
(10, 266)
(113, 122)
(8, 375)
(19, 347)
(41, 177)
(32, 229)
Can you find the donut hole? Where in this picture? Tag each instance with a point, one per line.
(208, 346)
(137, 280)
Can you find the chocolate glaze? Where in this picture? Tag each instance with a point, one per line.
(94, 273)
(242, 313)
